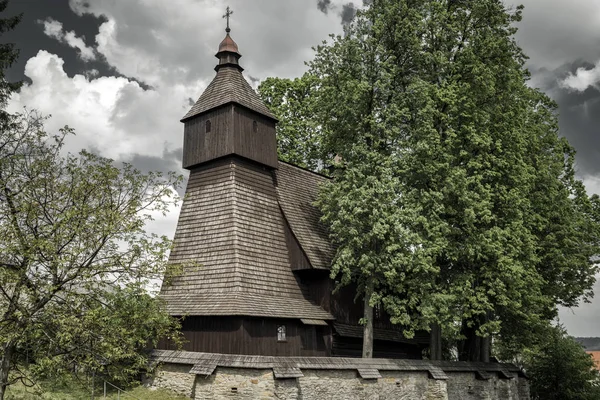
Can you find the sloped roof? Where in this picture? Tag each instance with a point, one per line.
(228, 86)
(596, 357)
(242, 303)
(355, 331)
(209, 361)
(297, 191)
(231, 236)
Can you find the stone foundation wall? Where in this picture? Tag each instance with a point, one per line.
(247, 384)
(174, 377)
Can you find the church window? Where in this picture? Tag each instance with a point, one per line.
(207, 125)
(281, 333)
(254, 126)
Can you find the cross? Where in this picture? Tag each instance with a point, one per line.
(227, 15)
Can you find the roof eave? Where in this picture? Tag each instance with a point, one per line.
(197, 114)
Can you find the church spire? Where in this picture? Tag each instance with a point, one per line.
(227, 15)
(228, 53)
(229, 118)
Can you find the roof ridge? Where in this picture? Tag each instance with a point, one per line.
(304, 169)
(228, 86)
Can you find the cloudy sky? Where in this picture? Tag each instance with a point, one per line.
(123, 72)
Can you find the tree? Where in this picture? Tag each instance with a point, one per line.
(299, 134)
(559, 368)
(455, 205)
(76, 258)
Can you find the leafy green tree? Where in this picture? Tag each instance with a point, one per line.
(455, 204)
(560, 369)
(75, 257)
(299, 134)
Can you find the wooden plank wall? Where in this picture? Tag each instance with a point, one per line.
(200, 146)
(252, 336)
(259, 146)
(232, 132)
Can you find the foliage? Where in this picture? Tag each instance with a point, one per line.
(299, 135)
(455, 196)
(74, 389)
(559, 368)
(75, 258)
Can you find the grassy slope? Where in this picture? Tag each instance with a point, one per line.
(18, 392)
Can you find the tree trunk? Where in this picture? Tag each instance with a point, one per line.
(368, 318)
(486, 349)
(468, 348)
(5, 364)
(435, 343)
(474, 347)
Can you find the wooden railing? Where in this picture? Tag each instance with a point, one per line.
(119, 390)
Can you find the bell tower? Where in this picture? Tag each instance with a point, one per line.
(229, 118)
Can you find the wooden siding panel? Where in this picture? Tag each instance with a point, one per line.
(260, 146)
(200, 146)
(251, 336)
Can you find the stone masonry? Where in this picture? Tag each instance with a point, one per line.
(216, 376)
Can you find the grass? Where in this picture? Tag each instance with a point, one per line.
(76, 392)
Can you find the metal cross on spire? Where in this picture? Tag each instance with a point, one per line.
(227, 15)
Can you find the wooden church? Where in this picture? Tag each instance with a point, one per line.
(254, 255)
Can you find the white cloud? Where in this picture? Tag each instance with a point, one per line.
(54, 29)
(592, 184)
(583, 78)
(174, 42)
(112, 115)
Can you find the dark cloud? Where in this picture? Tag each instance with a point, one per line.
(29, 36)
(555, 32)
(170, 161)
(579, 114)
(348, 12)
(324, 5)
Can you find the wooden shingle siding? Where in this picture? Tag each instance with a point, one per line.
(228, 86)
(298, 259)
(297, 191)
(231, 241)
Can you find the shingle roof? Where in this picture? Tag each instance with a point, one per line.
(356, 331)
(242, 303)
(436, 369)
(230, 238)
(228, 86)
(596, 357)
(297, 191)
